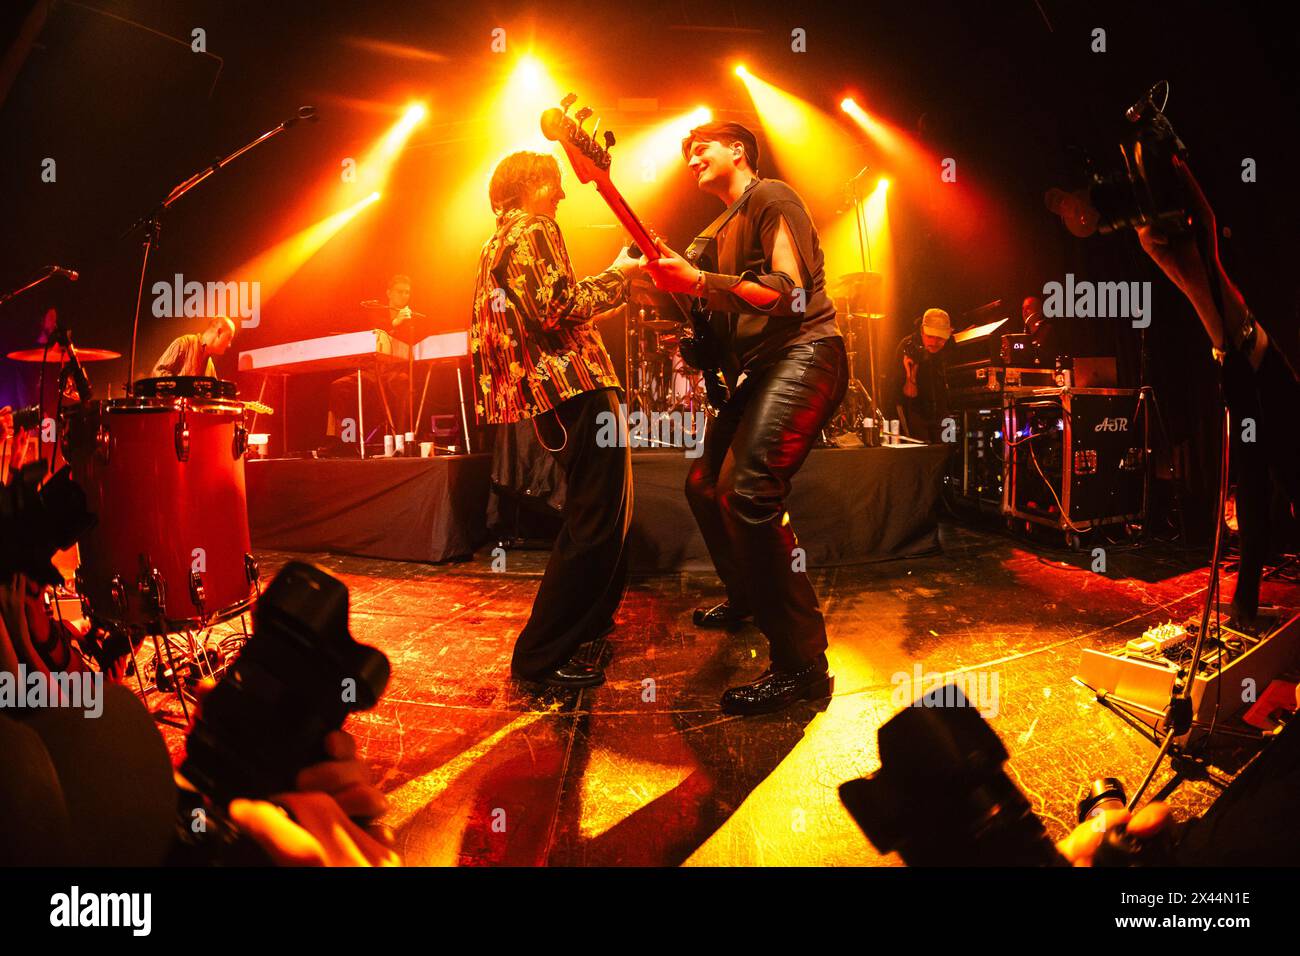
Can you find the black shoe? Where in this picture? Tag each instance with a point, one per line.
(597, 653)
(776, 690)
(574, 674)
(720, 616)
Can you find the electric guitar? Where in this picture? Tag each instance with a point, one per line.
(591, 163)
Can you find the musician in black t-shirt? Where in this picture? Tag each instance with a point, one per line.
(783, 360)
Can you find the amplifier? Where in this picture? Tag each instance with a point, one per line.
(1076, 457)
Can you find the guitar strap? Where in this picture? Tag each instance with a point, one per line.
(696, 249)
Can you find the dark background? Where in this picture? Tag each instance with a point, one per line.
(114, 93)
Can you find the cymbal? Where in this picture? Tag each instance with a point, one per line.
(56, 354)
(658, 325)
(852, 282)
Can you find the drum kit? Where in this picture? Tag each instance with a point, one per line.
(169, 556)
(858, 303)
(658, 381)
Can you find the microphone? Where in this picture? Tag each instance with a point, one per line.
(304, 113)
(78, 372)
(373, 304)
(71, 274)
(1138, 109)
(849, 191)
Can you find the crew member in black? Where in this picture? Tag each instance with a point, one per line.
(783, 360)
(921, 390)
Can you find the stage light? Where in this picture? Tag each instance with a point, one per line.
(741, 71)
(528, 74)
(882, 186)
(700, 117)
(814, 150)
(379, 160)
(414, 114)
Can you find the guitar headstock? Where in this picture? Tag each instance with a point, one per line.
(589, 159)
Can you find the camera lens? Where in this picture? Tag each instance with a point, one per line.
(1104, 793)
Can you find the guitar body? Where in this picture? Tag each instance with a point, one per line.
(591, 163)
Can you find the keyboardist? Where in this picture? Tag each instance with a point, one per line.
(385, 396)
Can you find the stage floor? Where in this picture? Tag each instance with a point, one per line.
(620, 775)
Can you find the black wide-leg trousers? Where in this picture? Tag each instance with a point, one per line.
(587, 571)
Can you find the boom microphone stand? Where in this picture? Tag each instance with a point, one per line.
(152, 223)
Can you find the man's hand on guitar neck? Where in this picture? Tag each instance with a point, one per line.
(1180, 259)
(626, 264)
(671, 273)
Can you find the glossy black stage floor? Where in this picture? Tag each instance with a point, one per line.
(849, 505)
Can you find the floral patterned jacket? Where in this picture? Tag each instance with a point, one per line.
(531, 337)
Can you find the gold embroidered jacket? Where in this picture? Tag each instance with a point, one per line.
(531, 337)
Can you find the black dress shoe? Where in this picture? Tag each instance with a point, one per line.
(720, 616)
(776, 690)
(574, 674)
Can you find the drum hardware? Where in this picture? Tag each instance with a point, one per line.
(118, 591)
(103, 443)
(152, 588)
(197, 593)
(252, 571)
(182, 438)
(240, 443)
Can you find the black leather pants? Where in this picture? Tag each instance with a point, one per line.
(737, 490)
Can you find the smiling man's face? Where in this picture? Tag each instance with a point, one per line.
(710, 162)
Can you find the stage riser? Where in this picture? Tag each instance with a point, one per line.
(848, 506)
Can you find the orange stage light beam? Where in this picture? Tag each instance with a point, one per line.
(274, 267)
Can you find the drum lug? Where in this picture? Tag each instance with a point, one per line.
(117, 589)
(182, 439)
(251, 570)
(103, 443)
(197, 593)
(240, 443)
(152, 588)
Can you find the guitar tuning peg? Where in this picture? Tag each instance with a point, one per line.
(609, 138)
(582, 115)
(569, 101)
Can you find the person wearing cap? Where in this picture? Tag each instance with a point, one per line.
(919, 365)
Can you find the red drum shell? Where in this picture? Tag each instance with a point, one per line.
(156, 511)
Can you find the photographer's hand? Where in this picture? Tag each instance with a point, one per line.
(314, 825)
(309, 829)
(344, 778)
(1082, 843)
